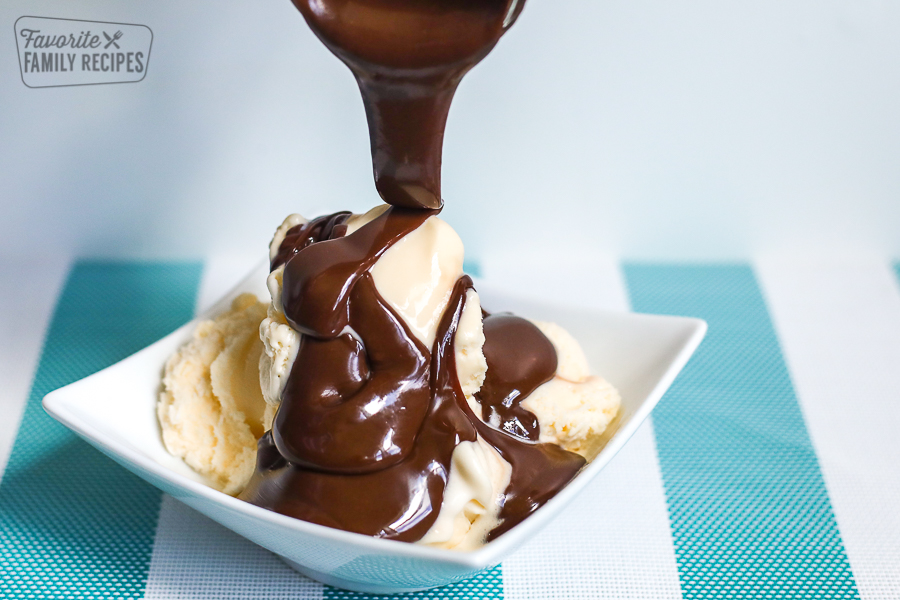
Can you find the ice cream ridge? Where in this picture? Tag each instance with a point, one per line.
(373, 393)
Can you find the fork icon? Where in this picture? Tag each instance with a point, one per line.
(111, 41)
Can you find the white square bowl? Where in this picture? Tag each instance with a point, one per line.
(115, 411)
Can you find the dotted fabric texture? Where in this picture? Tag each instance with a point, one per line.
(195, 558)
(750, 514)
(487, 584)
(72, 523)
(613, 541)
(839, 327)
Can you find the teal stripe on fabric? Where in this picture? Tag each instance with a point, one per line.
(73, 524)
(750, 514)
(487, 585)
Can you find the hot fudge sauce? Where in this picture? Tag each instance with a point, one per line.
(408, 57)
(519, 359)
(370, 417)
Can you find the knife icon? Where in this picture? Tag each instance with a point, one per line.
(111, 41)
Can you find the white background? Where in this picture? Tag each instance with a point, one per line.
(714, 129)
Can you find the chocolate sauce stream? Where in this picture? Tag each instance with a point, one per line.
(370, 418)
(408, 57)
(519, 359)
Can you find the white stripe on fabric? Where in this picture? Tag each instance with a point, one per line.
(839, 327)
(27, 298)
(614, 540)
(195, 558)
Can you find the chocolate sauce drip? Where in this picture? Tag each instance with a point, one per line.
(402, 498)
(539, 471)
(369, 420)
(300, 236)
(318, 280)
(519, 359)
(408, 57)
(354, 407)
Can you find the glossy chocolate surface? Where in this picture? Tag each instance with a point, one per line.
(300, 236)
(408, 57)
(370, 418)
(519, 359)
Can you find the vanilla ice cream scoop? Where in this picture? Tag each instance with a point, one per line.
(370, 371)
(211, 408)
(574, 408)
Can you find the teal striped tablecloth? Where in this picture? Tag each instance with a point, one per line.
(771, 469)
